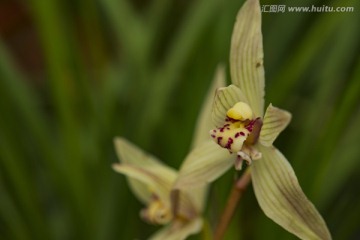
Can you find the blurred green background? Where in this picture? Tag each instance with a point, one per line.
(74, 74)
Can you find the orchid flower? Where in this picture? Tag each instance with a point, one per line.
(152, 182)
(244, 133)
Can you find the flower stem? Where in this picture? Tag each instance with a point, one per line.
(237, 191)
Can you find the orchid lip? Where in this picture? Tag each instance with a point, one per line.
(239, 127)
(239, 132)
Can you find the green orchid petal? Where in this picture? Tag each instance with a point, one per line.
(246, 55)
(183, 205)
(178, 230)
(130, 154)
(197, 197)
(203, 165)
(152, 182)
(225, 99)
(204, 123)
(274, 122)
(282, 199)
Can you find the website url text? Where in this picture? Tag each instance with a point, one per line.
(310, 9)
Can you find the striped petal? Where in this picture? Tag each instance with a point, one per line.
(197, 197)
(246, 55)
(139, 160)
(282, 199)
(183, 204)
(178, 230)
(204, 123)
(151, 182)
(225, 99)
(275, 121)
(203, 165)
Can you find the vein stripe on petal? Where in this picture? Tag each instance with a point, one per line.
(294, 191)
(301, 217)
(246, 55)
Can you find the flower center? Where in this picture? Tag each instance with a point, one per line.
(156, 213)
(240, 111)
(239, 132)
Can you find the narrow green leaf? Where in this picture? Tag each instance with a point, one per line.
(56, 37)
(339, 136)
(299, 60)
(166, 78)
(24, 187)
(14, 223)
(122, 18)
